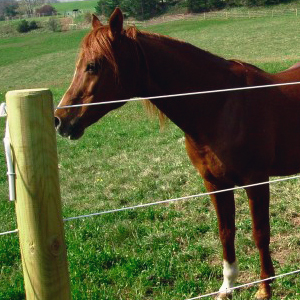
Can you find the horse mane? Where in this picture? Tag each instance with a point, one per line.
(98, 43)
(153, 111)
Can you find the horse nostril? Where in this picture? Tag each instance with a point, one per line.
(57, 122)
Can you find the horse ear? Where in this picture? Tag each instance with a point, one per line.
(116, 22)
(96, 22)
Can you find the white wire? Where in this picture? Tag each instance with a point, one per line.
(161, 97)
(182, 198)
(9, 232)
(245, 285)
(181, 95)
(175, 199)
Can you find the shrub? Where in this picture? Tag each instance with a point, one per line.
(54, 25)
(88, 18)
(33, 25)
(23, 26)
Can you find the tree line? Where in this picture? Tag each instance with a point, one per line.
(145, 9)
(12, 8)
(138, 9)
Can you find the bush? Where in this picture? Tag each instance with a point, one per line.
(54, 25)
(33, 25)
(88, 18)
(23, 26)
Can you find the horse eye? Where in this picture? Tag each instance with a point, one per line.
(91, 68)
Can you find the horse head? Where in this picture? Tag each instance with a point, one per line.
(106, 70)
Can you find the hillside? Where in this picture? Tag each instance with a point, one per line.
(88, 5)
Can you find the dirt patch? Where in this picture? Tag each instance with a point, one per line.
(296, 220)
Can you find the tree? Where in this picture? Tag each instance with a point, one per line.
(46, 10)
(141, 9)
(196, 6)
(8, 8)
(106, 7)
(28, 6)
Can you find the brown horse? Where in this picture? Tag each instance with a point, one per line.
(234, 138)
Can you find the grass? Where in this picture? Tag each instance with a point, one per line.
(164, 252)
(254, 40)
(87, 5)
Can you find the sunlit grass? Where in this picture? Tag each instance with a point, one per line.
(87, 5)
(262, 41)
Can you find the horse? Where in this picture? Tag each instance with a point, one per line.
(233, 139)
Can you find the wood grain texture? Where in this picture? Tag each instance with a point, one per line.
(38, 202)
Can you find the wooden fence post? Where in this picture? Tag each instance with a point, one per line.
(38, 203)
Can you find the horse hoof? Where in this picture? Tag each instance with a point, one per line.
(224, 296)
(263, 293)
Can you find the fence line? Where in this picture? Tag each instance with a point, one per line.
(172, 200)
(183, 94)
(183, 198)
(186, 198)
(191, 196)
(250, 14)
(163, 97)
(223, 14)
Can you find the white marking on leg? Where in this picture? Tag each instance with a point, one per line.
(230, 273)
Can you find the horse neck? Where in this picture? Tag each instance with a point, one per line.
(176, 67)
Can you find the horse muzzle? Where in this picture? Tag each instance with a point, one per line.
(70, 130)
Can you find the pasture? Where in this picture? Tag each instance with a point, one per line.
(167, 251)
(63, 7)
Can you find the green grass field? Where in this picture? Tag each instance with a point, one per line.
(163, 252)
(87, 5)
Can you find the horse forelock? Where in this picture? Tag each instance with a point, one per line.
(96, 45)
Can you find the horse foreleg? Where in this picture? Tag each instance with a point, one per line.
(259, 206)
(225, 209)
